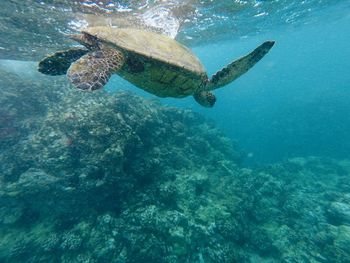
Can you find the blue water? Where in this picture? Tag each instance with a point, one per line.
(292, 103)
(296, 101)
(126, 177)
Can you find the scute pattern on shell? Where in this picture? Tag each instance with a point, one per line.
(155, 46)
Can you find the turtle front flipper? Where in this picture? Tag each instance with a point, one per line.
(59, 62)
(239, 67)
(92, 71)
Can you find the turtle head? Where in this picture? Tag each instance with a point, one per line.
(205, 98)
(89, 41)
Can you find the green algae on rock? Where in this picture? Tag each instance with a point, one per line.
(117, 178)
(104, 171)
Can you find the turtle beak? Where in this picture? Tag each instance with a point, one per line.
(86, 40)
(77, 37)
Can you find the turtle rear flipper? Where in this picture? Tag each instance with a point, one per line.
(59, 62)
(239, 67)
(205, 98)
(93, 70)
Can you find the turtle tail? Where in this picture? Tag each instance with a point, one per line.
(205, 98)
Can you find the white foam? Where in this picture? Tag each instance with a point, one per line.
(162, 18)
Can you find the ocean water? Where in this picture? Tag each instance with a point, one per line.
(120, 175)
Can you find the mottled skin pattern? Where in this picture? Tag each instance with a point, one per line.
(239, 67)
(153, 62)
(93, 70)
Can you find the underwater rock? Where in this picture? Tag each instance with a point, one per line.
(10, 213)
(116, 178)
(342, 244)
(32, 182)
(122, 156)
(24, 104)
(339, 212)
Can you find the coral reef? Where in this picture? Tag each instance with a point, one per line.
(116, 178)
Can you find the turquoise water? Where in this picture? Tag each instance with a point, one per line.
(120, 175)
(294, 102)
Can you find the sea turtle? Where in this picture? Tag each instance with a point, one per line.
(151, 61)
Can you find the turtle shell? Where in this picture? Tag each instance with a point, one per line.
(149, 44)
(154, 62)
